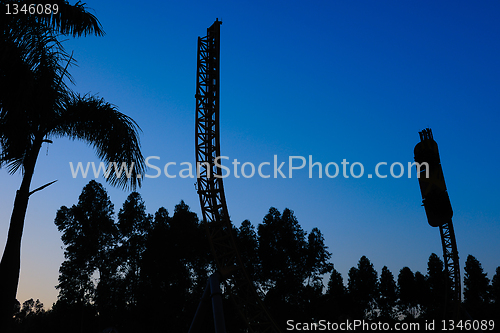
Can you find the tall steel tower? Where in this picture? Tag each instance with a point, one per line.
(230, 268)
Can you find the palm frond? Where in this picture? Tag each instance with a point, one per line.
(32, 68)
(73, 20)
(15, 142)
(113, 135)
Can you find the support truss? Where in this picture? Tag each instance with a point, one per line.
(451, 266)
(211, 189)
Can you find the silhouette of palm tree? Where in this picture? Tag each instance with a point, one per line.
(36, 106)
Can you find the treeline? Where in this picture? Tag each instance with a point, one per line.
(143, 272)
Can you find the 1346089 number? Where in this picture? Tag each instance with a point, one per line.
(468, 325)
(15, 8)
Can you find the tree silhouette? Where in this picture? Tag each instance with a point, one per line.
(476, 285)
(125, 273)
(133, 225)
(31, 317)
(436, 280)
(29, 308)
(388, 294)
(143, 273)
(495, 293)
(89, 232)
(317, 265)
(282, 249)
(317, 257)
(192, 245)
(282, 252)
(248, 248)
(406, 293)
(174, 269)
(291, 265)
(336, 296)
(421, 293)
(362, 286)
(165, 277)
(36, 106)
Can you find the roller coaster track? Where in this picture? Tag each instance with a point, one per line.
(211, 190)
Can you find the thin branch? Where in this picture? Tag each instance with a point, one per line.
(42, 187)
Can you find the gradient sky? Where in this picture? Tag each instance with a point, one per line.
(352, 80)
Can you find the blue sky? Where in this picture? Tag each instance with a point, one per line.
(336, 80)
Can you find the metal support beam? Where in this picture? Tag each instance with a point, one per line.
(452, 268)
(211, 189)
(214, 293)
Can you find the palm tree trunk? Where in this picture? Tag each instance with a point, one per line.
(10, 265)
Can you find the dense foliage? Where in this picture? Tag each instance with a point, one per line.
(146, 273)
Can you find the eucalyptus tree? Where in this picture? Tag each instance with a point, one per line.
(336, 292)
(362, 286)
(406, 293)
(476, 288)
(36, 106)
(387, 294)
(291, 265)
(282, 251)
(437, 287)
(248, 248)
(495, 291)
(89, 233)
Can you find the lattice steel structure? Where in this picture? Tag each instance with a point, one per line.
(451, 264)
(439, 212)
(211, 190)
